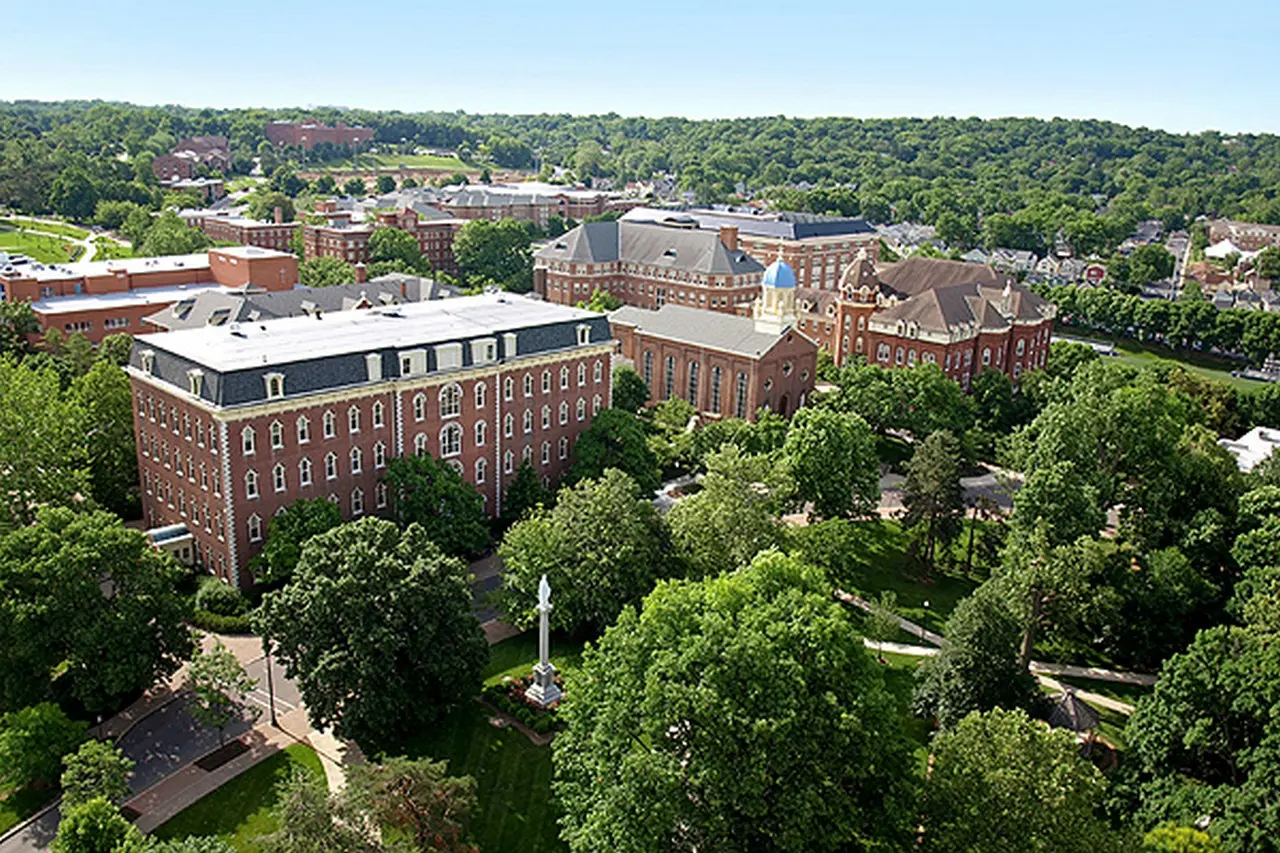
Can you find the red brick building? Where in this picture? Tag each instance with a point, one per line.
(341, 238)
(308, 135)
(724, 365)
(171, 167)
(226, 227)
(99, 298)
(235, 423)
(649, 265)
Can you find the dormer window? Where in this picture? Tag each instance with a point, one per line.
(584, 335)
(509, 344)
(275, 385)
(195, 381)
(148, 360)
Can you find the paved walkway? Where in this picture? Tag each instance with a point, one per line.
(86, 245)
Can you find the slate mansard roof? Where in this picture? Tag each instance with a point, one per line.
(712, 329)
(332, 351)
(684, 249)
(783, 226)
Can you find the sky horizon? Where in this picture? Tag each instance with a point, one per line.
(1128, 62)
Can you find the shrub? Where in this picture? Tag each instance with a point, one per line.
(219, 598)
(219, 624)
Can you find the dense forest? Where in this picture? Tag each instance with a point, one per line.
(1028, 180)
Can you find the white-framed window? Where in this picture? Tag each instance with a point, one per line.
(528, 421)
(331, 466)
(546, 382)
(527, 453)
(357, 502)
(275, 385)
(598, 372)
(882, 353)
(248, 441)
(1022, 346)
(564, 447)
(450, 440)
(508, 462)
(204, 477)
(546, 417)
(450, 400)
(584, 335)
(380, 495)
(482, 468)
(528, 384)
(353, 419)
(278, 480)
(420, 444)
(379, 455)
(508, 425)
(986, 355)
(582, 375)
(564, 377)
(582, 409)
(357, 460)
(508, 388)
(596, 402)
(255, 528)
(304, 471)
(379, 415)
(330, 424)
(480, 430)
(546, 453)
(304, 429)
(277, 435)
(251, 484)
(564, 412)
(481, 391)
(740, 408)
(419, 407)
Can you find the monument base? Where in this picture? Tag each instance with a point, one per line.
(544, 690)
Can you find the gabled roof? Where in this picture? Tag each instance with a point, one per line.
(917, 275)
(713, 329)
(690, 250)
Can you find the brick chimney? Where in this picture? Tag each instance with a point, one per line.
(362, 274)
(729, 236)
(278, 214)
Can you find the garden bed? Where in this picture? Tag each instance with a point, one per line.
(509, 697)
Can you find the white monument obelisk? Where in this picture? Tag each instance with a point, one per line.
(544, 690)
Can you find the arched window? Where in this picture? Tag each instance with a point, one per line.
(582, 375)
(450, 400)
(450, 440)
(564, 412)
(693, 382)
(527, 453)
(304, 471)
(379, 455)
(480, 391)
(380, 495)
(564, 377)
(546, 417)
(508, 462)
(379, 420)
(304, 430)
(480, 430)
(598, 372)
(898, 355)
(251, 484)
(357, 502)
(331, 466)
(482, 467)
(508, 425)
(330, 424)
(564, 447)
(717, 375)
(247, 441)
(582, 408)
(278, 480)
(546, 453)
(277, 435)
(419, 407)
(741, 390)
(508, 388)
(986, 355)
(546, 382)
(255, 528)
(528, 384)
(357, 460)
(669, 384)
(911, 357)
(456, 466)
(420, 444)
(595, 404)
(648, 369)
(528, 421)
(353, 419)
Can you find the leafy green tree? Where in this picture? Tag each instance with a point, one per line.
(629, 391)
(284, 179)
(385, 184)
(325, 185)
(218, 685)
(96, 769)
(820, 766)
(524, 493)
(1168, 838)
(43, 450)
(734, 516)
(832, 457)
(1057, 499)
(354, 186)
(116, 349)
(169, 235)
(112, 214)
(932, 495)
(602, 302)
(428, 492)
(311, 819)
(418, 798)
(1150, 263)
(55, 619)
(615, 439)
(17, 322)
(135, 227)
(393, 244)
(325, 272)
(978, 669)
(377, 629)
(1268, 263)
(287, 532)
(1002, 781)
(262, 205)
(883, 622)
(601, 546)
(75, 194)
(105, 405)
(32, 743)
(495, 252)
(190, 844)
(95, 827)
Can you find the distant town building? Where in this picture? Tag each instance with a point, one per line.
(99, 298)
(1253, 448)
(649, 265)
(307, 135)
(340, 237)
(724, 365)
(1246, 236)
(181, 163)
(225, 226)
(237, 422)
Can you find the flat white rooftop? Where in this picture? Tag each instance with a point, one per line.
(1253, 448)
(290, 339)
(141, 297)
(133, 266)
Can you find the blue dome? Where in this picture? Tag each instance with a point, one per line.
(779, 274)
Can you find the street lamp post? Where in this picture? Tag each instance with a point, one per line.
(926, 613)
(271, 688)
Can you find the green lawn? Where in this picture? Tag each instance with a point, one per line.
(244, 182)
(516, 656)
(1140, 354)
(48, 250)
(106, 249)
(900, 677)
(17, 806)
(1110, 723)
(1130, 693)
(240, 811)
(50, 227)
(513, 779)
(395, 161)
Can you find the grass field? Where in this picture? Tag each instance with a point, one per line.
(900, 677)
(106, 249)
(1145, 354)
(517, 656)
(395, 161)
(240, 811)
(49, 227)
(47, 250)
(17, 806)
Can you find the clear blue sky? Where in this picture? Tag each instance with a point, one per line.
(1176, 65)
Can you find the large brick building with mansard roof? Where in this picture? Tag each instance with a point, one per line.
(235, 423)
